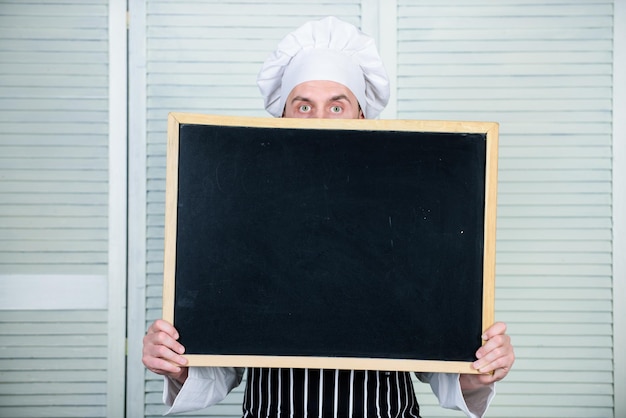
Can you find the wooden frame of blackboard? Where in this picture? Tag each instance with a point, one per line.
(343, 360)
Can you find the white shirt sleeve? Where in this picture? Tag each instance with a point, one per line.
(205, 386)
(447, 389)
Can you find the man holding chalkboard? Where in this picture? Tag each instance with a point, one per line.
(325, 69)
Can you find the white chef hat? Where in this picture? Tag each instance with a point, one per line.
(328, 49)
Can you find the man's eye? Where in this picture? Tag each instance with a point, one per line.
(336, 109)
(305, 108)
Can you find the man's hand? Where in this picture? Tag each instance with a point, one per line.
(162, 352)
(494, 359)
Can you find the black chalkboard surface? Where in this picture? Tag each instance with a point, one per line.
(330, 244)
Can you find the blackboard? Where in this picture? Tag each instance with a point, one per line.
(331, 244)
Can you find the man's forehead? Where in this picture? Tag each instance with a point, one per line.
(328, 90)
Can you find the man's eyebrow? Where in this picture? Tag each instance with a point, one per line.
(300, 99)
(339, 97)
(332, 99)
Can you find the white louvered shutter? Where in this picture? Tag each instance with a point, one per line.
(544, 72)
(53, 208)
(204, 57)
